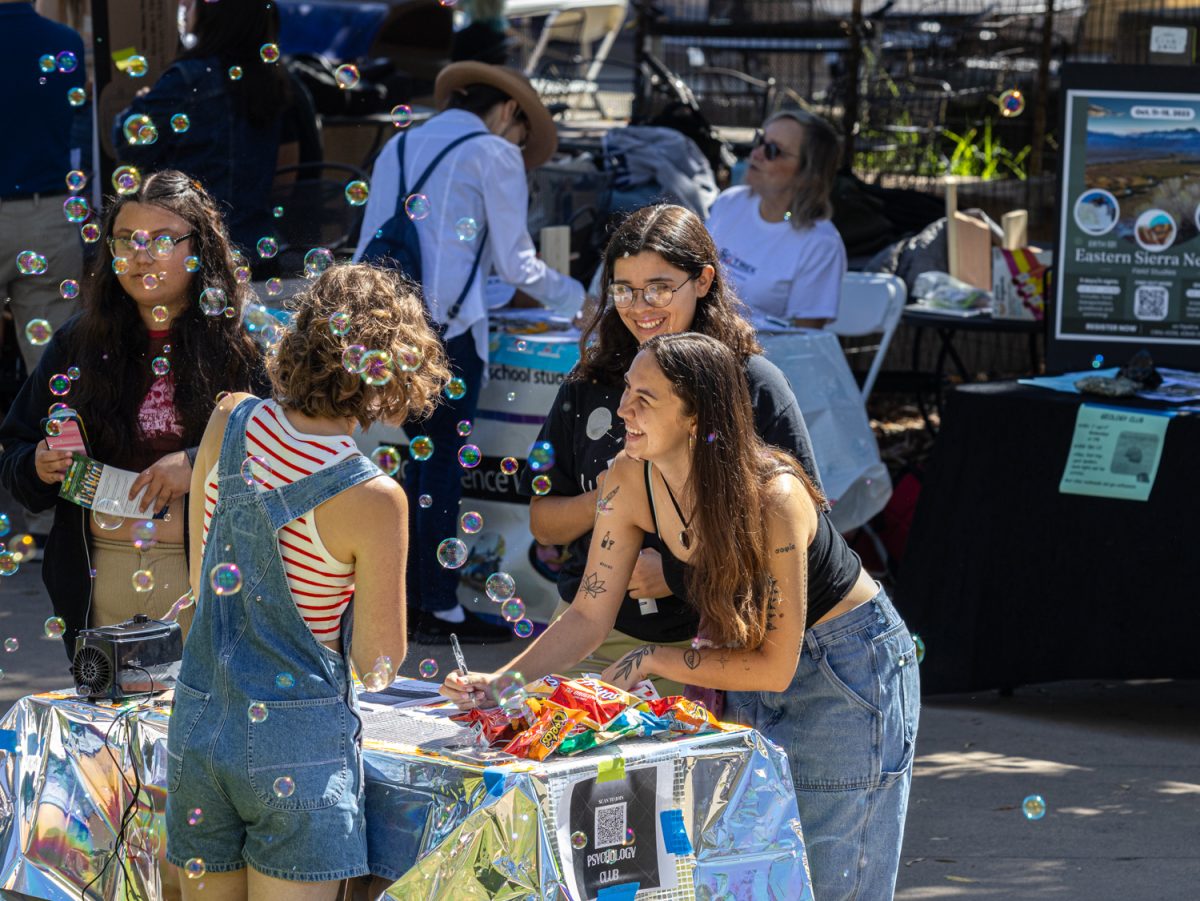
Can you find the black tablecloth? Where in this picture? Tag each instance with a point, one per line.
(1010, 582)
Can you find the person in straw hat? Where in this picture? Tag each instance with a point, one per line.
(471, 216)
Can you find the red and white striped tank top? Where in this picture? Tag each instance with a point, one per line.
(321, 585)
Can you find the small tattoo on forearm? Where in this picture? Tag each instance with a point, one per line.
(691, 658)
(785, 548)
(605, 566)
(604, 504)
(633, 659)
(607, 542)
(593, 585)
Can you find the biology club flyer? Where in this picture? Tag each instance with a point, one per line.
(1129, 270)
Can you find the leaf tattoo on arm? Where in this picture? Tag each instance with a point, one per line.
(691, 658)
(634, 660)
(593, 585)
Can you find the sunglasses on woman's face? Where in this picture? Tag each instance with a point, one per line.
(770, 149)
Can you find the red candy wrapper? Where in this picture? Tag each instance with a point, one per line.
(554, 722)
(490, 725)
(683, 715)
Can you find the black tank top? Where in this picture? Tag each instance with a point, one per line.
(832, 566)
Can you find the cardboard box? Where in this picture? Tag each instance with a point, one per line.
(1019, 283)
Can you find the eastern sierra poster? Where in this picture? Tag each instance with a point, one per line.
(1130, 266)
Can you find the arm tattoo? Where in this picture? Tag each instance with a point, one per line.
(634, 659)
(593, 585)
(773, 602)
(607, 541)
(785, 548)
(691, 658)
(604, 505)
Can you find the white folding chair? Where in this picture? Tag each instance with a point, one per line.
(583, 25)
(871, 305)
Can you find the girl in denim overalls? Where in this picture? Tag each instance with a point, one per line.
(264, 758)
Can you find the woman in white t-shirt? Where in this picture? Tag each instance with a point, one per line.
(774, 233)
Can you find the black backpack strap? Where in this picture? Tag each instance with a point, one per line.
(453, 312)
(437, 159)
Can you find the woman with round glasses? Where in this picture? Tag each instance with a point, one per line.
(774, 233)
(661, 275)
(158, 338)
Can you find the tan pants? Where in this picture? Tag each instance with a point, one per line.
(36, 296)
(114, 599)
(616, 646)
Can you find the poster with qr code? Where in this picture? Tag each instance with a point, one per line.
(1128, 260)
(609, 834)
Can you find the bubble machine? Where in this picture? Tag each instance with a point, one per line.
(139, 656)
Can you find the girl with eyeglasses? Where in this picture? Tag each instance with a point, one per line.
(810, 649)
(661, 275)
(774, 233)
(142, 365)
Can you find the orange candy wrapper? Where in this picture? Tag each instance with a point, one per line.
(545, 733)
(683, 715)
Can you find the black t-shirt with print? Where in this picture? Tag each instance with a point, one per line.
(587, 434)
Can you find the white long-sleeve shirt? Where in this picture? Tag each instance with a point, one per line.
(482, 179)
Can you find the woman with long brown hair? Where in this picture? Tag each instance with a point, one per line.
(811, 650)
(661, 275)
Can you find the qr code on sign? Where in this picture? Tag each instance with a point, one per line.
(1150, 302)
(610, 825)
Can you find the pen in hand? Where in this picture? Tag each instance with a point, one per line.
(458, 655)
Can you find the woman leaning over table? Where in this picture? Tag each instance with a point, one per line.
(660, 276)
(811, 650)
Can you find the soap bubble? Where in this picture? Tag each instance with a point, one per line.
(417, 207)
(143, 581)
(346, 76)
(269, 53)
(455, 389)
(257, 712)
(1012, 103)
(357, 192)
(120, 265)
(469, 456)
(1034, 807)
(76, 180)
(241, 274)
(317, 261)
(372, 681)
(274, 287)
(160, 366)
(47, 63)
(541, 485)
(376, 367)
(183, 602)
(76, 96)
(512, 610)
(105, 515)
(511, 396)
(191, 264)
(11, 644)
(500, 587)
(425, 501)
(160, 313)
(73, 373)
(38, 332)
(578, 840)
(30, 262)
(76, 209)
(194, 867)
(54, 627)
(226, 579)
(54, 426)
(68, 289)
(919, 643)
(8, 567)
(471, 522)
(352, 358)
(136, 66)
(67, 61)
(339, 323)
(541, 456)
(284, 786)
(466, 228)
(1097, 361)
(195, 816)
(509, 466)
(60, 384)
(277, 212)
(409, 358)
(213, 301)
(90, 233)
(508, 690)
(387, 458)
(522, 628)
(5, 524)
(428, 668)
(402, 115)
(421, 448)
(180, 123)
(267, 247)
(257, 317)
(126, 180)
(22, 547)
(463, 428)
(630, 837)
(284, 680)
(145, 534)
(235, 73)
(133, 127)
(452, 553)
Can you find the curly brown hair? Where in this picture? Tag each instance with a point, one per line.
(675, 233)
(377, 309)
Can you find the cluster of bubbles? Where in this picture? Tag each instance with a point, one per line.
(380, 675)
(140, 130)
(30, 262)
